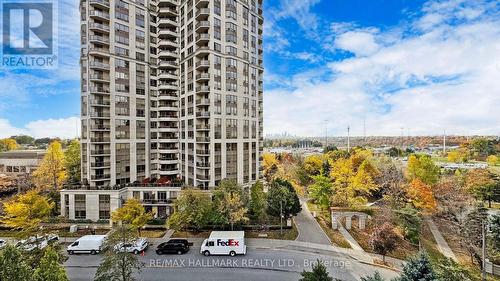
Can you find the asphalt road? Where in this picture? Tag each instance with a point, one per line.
(258, 264)
(309, 229)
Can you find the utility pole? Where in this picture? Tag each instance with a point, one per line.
(483, 226)
(444, 143)
(348, 139)
(281, 217)
(326, 133)
(364, 130)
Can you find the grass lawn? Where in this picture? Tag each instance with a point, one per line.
(153, 233)
(323, 218)
(429, 244)
(188, 234)
(288, 234)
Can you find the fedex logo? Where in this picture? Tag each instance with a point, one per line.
(229, 242)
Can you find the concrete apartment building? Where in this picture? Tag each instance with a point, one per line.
(171, 94)
(18, 162)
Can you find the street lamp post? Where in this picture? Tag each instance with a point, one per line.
(281, 217)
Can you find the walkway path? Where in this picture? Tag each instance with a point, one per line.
(308, 228)
(440, 241)
(348, 237)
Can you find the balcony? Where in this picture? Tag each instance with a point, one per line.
(203, 102)
(203, 64)
(99, 65)
(156, 201)
(98, 90)
(99, 127)
(100, 103)
(99, 51)
(167, 11)
(100, 152)
(203, 164)
(202, 13)
(203, 76)
(168, 64)
(170, 33)
(203, 127)
(100, 139)
(99, 15)
(99, 27)
(100, 3)
(168, 54)
(99, 39)
(203, 152)
(203, 177)
(168, 86)
(203, 139)
(168, 43)
(203, 114)
(203, 89)
(167, 22)
(202, 51)
(99, 78)
(100, 177)
(202, 3)
(100, 164)
(202, 38)
(202, 26)
(100, 114)
(168, 75)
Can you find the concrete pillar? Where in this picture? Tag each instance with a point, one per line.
(348, 222)
(362, 221)
(335, 222)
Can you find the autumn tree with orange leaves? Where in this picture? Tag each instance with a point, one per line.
(421, 196)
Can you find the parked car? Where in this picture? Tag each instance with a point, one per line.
(181, 241)
(87, 244)
(39, 241)
(141, 244)
(172, 248)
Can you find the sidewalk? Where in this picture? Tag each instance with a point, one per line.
(443, 246)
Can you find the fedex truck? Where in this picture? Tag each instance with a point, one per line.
(230, 243)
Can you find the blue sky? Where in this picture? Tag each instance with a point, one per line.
(425, 66)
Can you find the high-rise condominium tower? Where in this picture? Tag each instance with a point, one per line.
(171, 90)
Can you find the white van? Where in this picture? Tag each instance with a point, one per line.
(224, 243)
(87, 244)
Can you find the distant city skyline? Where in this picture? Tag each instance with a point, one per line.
(426, 65)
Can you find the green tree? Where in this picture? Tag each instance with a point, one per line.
(72, 161)
(51, 173)
(321, 191)
(418, 268)
(49, 268)
(470, 232)
(481, 184)
(409, 220)
(257, 206)
(422, 167)
(26, 211)
(375, 277)
(23, 139)
(448, 270)
(192, 210)
(132, 213)
(482, 147)
(118, 266)
(229, 203)
(282, 197)
(318, 273)
(13, 266)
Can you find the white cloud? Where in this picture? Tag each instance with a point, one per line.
(361, 43)
(63, 128)
(441, 78)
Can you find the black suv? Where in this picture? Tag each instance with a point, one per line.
(172, 247)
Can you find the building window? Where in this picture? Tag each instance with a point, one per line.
(80, 207)
(104, 207)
